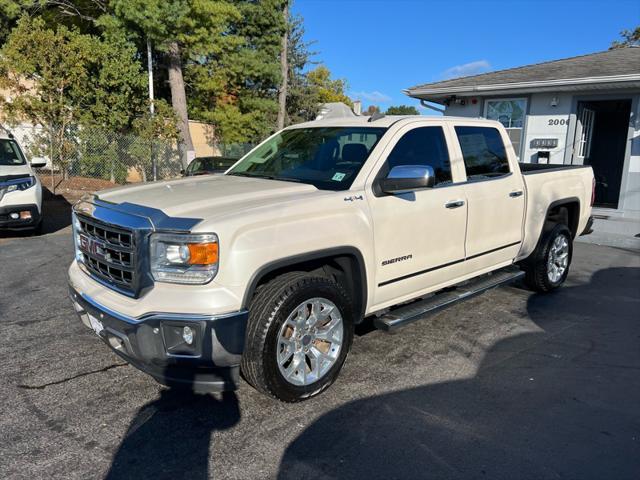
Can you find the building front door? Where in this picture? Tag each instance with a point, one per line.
(601, 140)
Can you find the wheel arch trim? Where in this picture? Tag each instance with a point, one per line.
(328, 254)
(560, 203)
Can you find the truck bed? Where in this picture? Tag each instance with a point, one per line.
(547, 185)
(533, 168)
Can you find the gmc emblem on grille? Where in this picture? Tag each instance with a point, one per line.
(95, 247)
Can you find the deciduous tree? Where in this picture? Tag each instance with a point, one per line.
(48, 74)
(371, 109)
(71, 84)
(629, 37)
(402, 110)
(327, 89)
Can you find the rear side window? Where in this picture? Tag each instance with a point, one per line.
(423, 146)
(483, 152)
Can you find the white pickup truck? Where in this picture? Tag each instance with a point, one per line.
(266, 270)
(20, 188)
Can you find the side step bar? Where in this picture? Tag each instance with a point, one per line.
(417, 310)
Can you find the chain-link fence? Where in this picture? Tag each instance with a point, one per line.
(99, 158)
(120, 158)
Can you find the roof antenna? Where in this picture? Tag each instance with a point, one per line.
(376, 116)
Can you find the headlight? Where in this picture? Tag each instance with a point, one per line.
(21, 184)
(190, 259)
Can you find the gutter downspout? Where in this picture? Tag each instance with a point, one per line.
(431, 107)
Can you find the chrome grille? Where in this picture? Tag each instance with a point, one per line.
(108, 252)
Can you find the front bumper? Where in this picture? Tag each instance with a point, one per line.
(152, 343)
(7, 222)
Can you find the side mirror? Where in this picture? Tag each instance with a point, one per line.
(408, 178)
(38, 162)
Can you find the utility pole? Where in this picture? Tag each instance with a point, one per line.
(151, 105)
(150, 69)
(284, 70)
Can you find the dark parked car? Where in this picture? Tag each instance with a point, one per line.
(208, 165)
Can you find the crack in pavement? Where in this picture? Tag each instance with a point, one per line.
(64, 380)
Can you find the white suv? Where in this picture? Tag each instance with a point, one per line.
(20, 189)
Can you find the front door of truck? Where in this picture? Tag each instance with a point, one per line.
(419, 236)
(495, 196)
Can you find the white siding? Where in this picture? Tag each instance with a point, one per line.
(630, 197)
(468, 110)
(541, 114)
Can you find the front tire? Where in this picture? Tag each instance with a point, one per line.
(548, 266)
(299, 334)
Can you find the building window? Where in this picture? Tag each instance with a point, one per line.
(510, 112)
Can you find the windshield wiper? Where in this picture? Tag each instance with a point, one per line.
(267, 176)
(287, 179)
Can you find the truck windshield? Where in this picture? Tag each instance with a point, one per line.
(327, 157)
(10, 154)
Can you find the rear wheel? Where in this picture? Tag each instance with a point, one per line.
(548, 266)
(299, 334)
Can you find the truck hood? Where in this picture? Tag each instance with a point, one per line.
(14, 171)
(207, 196)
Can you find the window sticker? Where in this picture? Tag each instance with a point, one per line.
(338, 177)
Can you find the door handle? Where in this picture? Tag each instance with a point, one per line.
(517, 193)
(454, 204)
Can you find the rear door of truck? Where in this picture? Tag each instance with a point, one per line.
(495, 193)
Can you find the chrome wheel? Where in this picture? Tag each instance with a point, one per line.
(309, 341)
(558, 260)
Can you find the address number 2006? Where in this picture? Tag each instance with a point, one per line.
(558, 121)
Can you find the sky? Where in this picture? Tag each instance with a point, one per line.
(384, 46)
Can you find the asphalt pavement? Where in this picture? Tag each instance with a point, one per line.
(507, 385)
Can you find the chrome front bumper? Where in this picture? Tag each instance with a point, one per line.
(153, 344)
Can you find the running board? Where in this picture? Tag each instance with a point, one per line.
(415, 311)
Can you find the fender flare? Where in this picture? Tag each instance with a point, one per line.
(552, 205)
(559, 203)
(329, 253)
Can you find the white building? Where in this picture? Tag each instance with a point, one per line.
(579, 110)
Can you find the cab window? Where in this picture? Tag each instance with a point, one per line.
(483, 152)
(195, 166)
(425, 146)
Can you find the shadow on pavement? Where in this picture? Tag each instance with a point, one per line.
(170, 437)
(56, 212)
(562, 403)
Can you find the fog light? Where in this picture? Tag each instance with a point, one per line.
(187, 335)
(182, 338)
(25, 215)
(14, 216)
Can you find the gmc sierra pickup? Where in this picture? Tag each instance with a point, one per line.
(266, 269)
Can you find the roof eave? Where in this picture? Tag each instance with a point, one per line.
(616, 81)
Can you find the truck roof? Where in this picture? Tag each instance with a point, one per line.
(385, 121)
